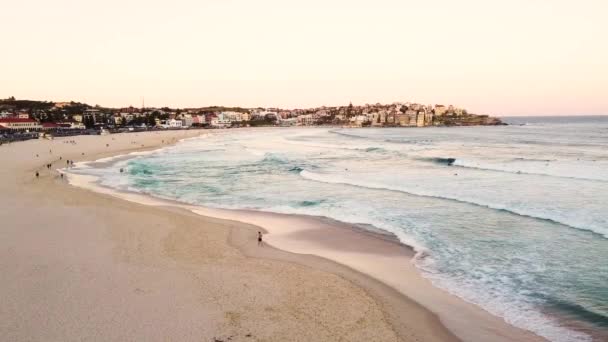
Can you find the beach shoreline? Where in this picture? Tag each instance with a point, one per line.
(310, 247)
(308, 235)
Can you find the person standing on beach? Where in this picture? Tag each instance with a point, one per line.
(260, 242)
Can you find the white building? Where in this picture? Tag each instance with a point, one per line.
(187, 120)
(359, 120)
(220, 122)
(20, 124)
(232, 116)
(77, 125)
(305, 120)
(172, 123)
(95, 114)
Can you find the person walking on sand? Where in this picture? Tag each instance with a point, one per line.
(260, 242)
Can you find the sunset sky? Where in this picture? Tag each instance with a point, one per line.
(516, 57)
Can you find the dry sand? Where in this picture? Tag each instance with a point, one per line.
(79, 265)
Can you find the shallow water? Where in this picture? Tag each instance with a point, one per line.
(512, 218)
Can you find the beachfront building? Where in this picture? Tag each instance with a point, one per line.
(420, 119)
(20, 124)
(50, 126)
(94, 114)
(401, 119)
(428, 118)
(359, 120)
(187, 120)
(379, 118)
(198, 120)
(220, 121)
(413, 117)
(71, 125)
(440, 110)
(172, 123)
(305, 120)
(409, 118)
(231, 116)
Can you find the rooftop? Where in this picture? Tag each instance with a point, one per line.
(9, 120)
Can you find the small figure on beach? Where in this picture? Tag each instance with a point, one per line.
(260, 242)
(37, 174)
(122, 170)
(61, 175)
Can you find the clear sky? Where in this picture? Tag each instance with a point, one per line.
(507, 57)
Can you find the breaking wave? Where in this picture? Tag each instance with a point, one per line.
(512, 168)
(325, 178)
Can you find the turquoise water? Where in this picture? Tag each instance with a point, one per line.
(514, 219)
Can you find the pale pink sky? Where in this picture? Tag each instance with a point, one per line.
(500, 57)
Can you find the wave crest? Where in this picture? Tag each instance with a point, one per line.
(333, 179)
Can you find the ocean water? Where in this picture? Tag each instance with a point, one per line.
(512, 218)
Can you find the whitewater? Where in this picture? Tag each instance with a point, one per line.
(511, 218)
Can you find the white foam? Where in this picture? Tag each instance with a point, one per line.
(583, 170)
(551, 216)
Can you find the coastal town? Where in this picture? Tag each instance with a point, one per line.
(23, 119)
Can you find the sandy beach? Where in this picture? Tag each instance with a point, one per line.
(83, 265)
